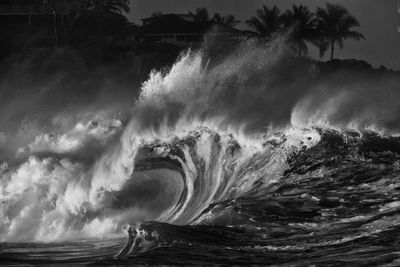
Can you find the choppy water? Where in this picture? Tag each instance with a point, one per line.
(214, 164)
(337, 202)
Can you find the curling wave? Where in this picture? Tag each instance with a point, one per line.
(199, 140)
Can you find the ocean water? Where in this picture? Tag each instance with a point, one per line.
(335, 203)
(237, 162)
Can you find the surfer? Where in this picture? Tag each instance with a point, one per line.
(138, 241)
(132, 233)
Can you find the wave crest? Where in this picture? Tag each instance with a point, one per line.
(202, 133)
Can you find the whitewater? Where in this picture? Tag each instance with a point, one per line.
(251, 158)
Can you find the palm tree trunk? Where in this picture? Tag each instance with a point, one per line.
(332, 49)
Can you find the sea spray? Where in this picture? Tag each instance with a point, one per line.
(225, 130)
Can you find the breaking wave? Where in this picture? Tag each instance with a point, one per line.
(200, 138)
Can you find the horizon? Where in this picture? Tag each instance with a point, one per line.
(380, 24)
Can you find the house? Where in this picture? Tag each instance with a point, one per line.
(184, 30)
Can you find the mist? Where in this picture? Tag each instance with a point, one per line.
(70, 136)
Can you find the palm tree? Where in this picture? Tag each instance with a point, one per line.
(117, 6)
(335, 25)
(78, 7)
(228, 20)
(55, 5)
(201, 14)
(266, 22)
(302, 24)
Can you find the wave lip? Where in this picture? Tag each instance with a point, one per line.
(215, 167)
(204, 134)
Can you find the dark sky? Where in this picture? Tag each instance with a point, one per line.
(378, 18)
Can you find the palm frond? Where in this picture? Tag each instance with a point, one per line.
(335, 24)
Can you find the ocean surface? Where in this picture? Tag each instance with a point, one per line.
(243, 161)
(335, 203)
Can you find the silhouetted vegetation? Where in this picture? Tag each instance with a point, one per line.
(335, 25)
(229, 20)
(96, 34)
(78, 7)
(303, 26)
(266, 22)
(324, 29)
(118, 6)
(98, 29)
(201, 14)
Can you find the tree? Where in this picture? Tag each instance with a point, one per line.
(55, 6)
(201, 14)
(77, 7)
(117, 6)
(302, 25)
(266, 22)
(228, 20)
(335, 25)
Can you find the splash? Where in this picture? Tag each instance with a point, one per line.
(199, 134)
